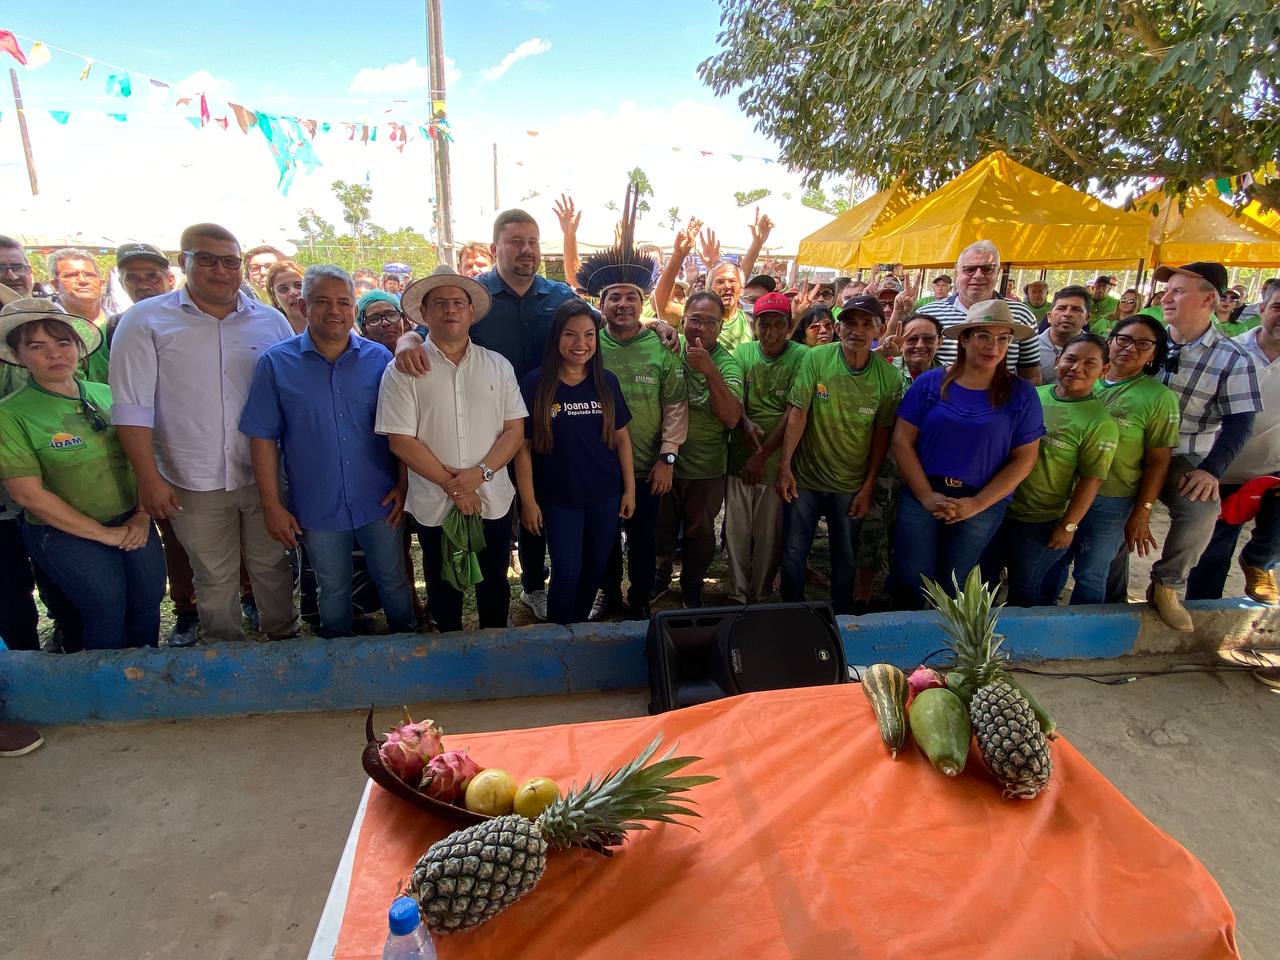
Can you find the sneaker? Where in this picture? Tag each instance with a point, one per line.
(186, 630)
(536, 601)
(16, 739)
(605, 607)
(1260, 585)
(1169, 605)
(250, 611)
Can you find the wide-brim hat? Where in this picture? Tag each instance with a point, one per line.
(28, 310)
(990, 313)
(442, 276)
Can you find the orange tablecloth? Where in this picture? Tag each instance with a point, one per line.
(814, 844)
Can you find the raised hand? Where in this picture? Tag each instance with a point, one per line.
(567, 214)
(890, 344)
(682, 246)
(699, 358)
(709, 248)
(761, 228)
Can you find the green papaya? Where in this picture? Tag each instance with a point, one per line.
(940, 726)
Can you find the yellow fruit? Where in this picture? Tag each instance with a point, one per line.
(535, 795)
(491, 792)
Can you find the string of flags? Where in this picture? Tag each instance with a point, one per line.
(289, 139)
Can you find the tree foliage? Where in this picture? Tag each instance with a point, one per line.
(1076, 89)
(816, 198)
(355, 199)
(640, 180)
(369, 246)
(745, 198)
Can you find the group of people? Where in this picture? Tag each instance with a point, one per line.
(264, 424)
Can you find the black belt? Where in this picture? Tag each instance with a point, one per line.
(952, 487)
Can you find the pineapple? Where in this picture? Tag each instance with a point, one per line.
(1008, 733)
(476, 873)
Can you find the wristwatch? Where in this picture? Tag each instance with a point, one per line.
(1146, 506)
(485, 472)
(668, 458)
(1071, 527)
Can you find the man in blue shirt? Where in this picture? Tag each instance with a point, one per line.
(314, 397)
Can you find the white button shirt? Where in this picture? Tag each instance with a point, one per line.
(187, 375)
(456, 412)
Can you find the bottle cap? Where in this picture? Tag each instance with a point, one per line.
(403, 916)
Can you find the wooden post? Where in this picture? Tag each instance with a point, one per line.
(444, 190)
(22, 129)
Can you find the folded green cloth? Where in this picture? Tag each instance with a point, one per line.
(462, 542)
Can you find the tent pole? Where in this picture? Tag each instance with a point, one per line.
(1004, 280)
(1142, 269)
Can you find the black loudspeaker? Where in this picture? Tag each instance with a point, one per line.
(700, 655)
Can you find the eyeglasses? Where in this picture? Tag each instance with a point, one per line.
(1123, 340)
(984, 339)
(92, 413)
(1231, 296)
(1129, 302)
(208, 259)
(15, 268)
(986, 269)
(388, 318)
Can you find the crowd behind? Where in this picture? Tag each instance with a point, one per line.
(261, 440)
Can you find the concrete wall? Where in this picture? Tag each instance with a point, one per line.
(313, 674)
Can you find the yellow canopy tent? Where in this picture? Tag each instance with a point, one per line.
(1205, 229)
(1033, 220)
(836, 244)
(1268, 218)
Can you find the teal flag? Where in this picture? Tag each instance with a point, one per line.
(118, 85)
(62, 116)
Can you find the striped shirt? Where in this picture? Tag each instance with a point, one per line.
(1214, 378)
(1021, 356)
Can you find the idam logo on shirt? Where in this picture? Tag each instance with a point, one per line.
(60, 441)
(821, 392)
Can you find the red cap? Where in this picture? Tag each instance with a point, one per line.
(1243, 505)
(772, 303)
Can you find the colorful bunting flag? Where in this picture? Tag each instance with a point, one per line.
(244, 117)
(1224, 186)
(9, 45)
(38, 56)
(160, 84)
(88, 65)
(118, 85)
(204, 110)
(119, 117)
(221, 121)
(62, 116)
(195, 122)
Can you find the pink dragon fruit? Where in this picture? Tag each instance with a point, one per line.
(447, 774)
(924, 678)
(410, 745)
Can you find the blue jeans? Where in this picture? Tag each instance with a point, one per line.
(1209, 577)
(117, 592)
(1093, 550)
(799, 524)
(924, 546)
(579, 540)
(330, 555)
(1023, 549)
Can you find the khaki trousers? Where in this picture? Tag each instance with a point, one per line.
(753, 538)
(215, 526)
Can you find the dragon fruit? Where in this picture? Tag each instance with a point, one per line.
(409, 746)
(447, 774)
(925, 678)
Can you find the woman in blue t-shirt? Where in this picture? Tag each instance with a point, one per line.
(965, 437)
(574, 471)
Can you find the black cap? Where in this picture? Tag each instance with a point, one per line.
(1103, 278)
(865, 303)
(765, 281)
(1214, 273)
(141, 251)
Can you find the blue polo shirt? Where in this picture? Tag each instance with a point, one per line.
(322, 414)
(517, 327)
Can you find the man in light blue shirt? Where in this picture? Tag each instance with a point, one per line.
(316, 396)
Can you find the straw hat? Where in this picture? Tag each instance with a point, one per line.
(17, 312)
(442, 276)
(989, 313)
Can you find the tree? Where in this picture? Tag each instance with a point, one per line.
(1078, 90)
(314, 227)
(745, 199)
(640, 180)
(673, 217)
(355, 199)
(815, 197)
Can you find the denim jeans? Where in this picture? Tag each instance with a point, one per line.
(579, 540)
(1093, 550)
(1023, 549)
(330, 555)
(799, 524)
(1207, 580)
(18, 615)
(924, 546)
(117, 592)
(642, 555)
(493, 593)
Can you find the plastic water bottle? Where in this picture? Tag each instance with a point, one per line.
(408, 939)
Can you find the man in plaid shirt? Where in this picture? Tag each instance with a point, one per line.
(1218, 394)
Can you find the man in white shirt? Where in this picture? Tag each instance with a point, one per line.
(456, 431)
(184, 362)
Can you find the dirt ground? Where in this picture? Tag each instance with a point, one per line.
(218, 839)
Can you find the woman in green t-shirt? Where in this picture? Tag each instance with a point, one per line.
(1146, 413)
(1072, 463)
(62, 463)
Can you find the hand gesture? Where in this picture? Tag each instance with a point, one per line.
(761, 228)
(961, 508)
(802, 301)
(905, 302)
(890, 344)
(136, 530)
(682, 246)
(709, 248)
(568, 216)
(699, 358)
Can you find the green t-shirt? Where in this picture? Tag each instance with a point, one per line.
(14, 378)
(923, 300)
(1079, 441)
(1146, 413)
(705, 453)
(736, 330)
(651, 377)
(845, 406)
(1041, 311)
(45, 435)
(766, 384)
(1233, 328)
(1103, 309)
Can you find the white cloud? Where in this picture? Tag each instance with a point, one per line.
(399, 77)
(530, 48)
(202, 81)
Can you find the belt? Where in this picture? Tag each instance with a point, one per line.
(952, 486)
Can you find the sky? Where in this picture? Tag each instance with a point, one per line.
(605, 88)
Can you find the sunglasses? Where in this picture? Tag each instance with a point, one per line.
(92, 413)
(986, 269)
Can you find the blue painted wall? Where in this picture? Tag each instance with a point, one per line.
(229, 679)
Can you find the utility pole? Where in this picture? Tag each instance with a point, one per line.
(444, 197)
(22, 128)
(495, 178)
